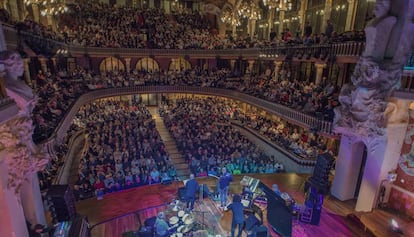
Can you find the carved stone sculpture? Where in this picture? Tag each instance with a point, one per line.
(18, 153)
(378, 72)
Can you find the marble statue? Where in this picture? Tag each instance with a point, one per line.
(388, 43)
(18, 153)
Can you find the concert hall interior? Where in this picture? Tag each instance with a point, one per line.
(181, 118)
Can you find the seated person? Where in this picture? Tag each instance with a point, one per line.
(161, 226)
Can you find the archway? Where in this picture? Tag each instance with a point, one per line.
(179, 64)
(111, 64)
(148, 65)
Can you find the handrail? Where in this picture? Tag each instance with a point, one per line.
(295, 158)
(286, 113)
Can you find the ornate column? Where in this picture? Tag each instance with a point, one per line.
(319, 72)
(14, 10)
(32, 202)
(350, 15)
(281, 18)
(232, 63)
(278, 64)
(12, 220)
(270, 22)
(54, 62)
(366, 112)
(127, 64)
(27, 77)
(302, 15)
(36, 12)
(20, 158)
(43, 64)
(250, 67)
(327, 13)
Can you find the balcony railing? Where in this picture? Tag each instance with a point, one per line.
(286, 113)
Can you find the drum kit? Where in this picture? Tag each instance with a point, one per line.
(182, 223)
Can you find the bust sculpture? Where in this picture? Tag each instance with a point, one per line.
(12, 67)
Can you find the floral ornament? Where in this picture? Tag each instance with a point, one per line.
(21, 156)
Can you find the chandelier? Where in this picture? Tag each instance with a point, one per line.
(49, 7)
(245, 8)
(255, 14)
(228, 17)
(279, 5)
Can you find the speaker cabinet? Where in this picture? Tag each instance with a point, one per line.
(62, 203)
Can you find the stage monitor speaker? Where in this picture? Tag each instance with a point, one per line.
(62, 203)
(320, 176)
(182, 193)
(150, 222)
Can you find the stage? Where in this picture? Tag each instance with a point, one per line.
(334, 219)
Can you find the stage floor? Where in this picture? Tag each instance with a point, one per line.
(333, 222)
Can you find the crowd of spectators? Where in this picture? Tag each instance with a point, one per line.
(55, 95)
(124, 148)
(56, 92)
(97, 24)
(303, 143)
(204, 135)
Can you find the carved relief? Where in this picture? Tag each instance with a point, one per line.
(363, 103)
(20, 155)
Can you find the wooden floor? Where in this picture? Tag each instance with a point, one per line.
(335, 219)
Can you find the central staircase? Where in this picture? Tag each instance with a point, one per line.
(183, 171)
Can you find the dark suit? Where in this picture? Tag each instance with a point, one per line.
(191, 190)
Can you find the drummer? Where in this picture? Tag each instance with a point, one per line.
(161, 226)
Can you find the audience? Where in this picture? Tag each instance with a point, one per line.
(124, 149)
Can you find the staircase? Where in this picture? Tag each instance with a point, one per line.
(183, 172)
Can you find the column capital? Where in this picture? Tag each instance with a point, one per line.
(320, 65)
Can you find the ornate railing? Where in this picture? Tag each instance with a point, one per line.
(286, 113)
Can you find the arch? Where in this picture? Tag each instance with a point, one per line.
(179, 64)
(111, 64)
(147, 64)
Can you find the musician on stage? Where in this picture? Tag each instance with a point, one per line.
(238, 215)
(161, 227)
(224, 183)
(191, 189)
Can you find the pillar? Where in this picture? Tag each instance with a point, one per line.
(302, 15)
(270, 22)
(232, 63)
(383, 159)
(36, 12)
(12, 220)
(27, 76)
(278, 64)
(32, 201)
(54, 62)
(127, 64)
(281, 27)
(319, 71)
(350, 15)
(327, 13)
(342, 74)
(43, 64)
(51, 22)
(347, 168)
(250, 68)
(252, 28)
(14, 10)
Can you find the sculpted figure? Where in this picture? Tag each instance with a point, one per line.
(378, 31)
(12, 67)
